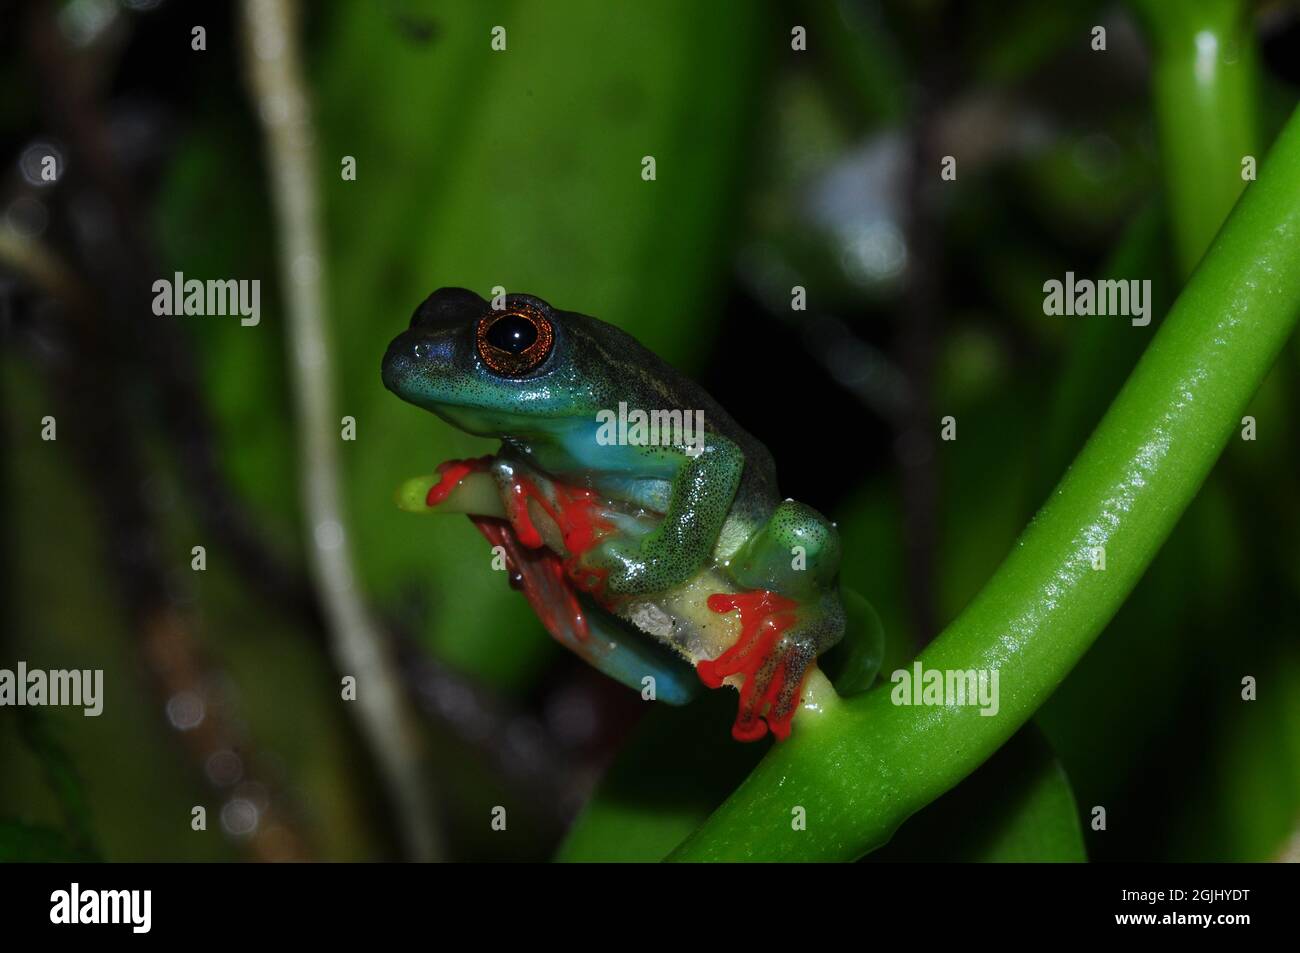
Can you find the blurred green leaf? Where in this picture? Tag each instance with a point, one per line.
(37, 731)
(679, 765)
(1018, 807)
(1011, 40)
(28, 843)
(1243, 791)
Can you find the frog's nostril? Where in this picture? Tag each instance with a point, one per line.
(397, 362)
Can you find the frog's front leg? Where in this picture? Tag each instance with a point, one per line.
(674, 551)
(790, 613)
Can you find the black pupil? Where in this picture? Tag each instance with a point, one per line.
(512, 334)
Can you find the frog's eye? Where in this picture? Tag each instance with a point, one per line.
(515, 341)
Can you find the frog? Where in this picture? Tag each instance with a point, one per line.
(641, 522)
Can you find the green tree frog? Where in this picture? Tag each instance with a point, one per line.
(626, 501)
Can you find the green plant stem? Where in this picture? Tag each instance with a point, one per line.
(859, 768)
(1203, 86)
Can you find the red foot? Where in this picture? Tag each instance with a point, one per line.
(575, 511)
(764, 615)
(540, 574)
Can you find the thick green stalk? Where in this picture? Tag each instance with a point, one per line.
(861, 767)
(1203, 86)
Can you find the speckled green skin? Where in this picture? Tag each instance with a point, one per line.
(720, 507)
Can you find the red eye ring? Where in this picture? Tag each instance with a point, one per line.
(515, 340)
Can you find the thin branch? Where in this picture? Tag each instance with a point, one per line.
(280, 99)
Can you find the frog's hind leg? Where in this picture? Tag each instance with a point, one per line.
(789, 615)
(632, 657)
(608, 643)
(779, 641)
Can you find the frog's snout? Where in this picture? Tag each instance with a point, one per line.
(440, 328)
(412, 361)
(421, 364)
(399, 361)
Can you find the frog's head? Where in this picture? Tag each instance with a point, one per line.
(495, 372)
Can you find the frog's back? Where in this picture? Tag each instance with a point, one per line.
(633, 374)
